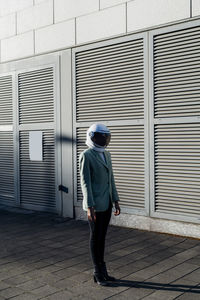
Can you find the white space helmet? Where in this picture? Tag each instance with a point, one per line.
(99, 135)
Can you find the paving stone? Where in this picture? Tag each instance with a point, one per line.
(49, 279)
(67, 272)
(184, 285)
(26, 296)
(189, 296)
(91, 290)
(51, 268)
(31, 284)
(66, 283)
(11, 292)
(132, 293)
(195, 260)
(36, 273)
(82, 267)
(69, 262)
(165, 278)
(44, 291)
(63, 295)
(4, 285)
(193, 276)
(164, 295)
(80, 277)
(13, 281)
(5, 275)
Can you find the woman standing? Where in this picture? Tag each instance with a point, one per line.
(99, 194)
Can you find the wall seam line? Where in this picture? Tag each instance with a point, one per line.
(53, 12)
(126, 18)
(34, 41)
(75, 31)
(16, 23)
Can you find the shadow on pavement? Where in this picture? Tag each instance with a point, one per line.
(156, 286)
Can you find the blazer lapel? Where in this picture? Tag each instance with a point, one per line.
(107, 159)
(97, 156)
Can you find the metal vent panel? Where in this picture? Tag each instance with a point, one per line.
(6, 168)
(127, 150)
(37, 178)
(6, 109)
(177, 73)
(177, 169)
(36, 96)
(110, 82)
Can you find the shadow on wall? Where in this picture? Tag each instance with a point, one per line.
(65, 139)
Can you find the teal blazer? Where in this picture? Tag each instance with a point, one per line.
(97, 180)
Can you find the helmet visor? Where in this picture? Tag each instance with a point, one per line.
(101, 139)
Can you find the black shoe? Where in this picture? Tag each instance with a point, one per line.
(99, 279)
(98, 276)
(105, 273)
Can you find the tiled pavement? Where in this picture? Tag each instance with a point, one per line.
(43, 258)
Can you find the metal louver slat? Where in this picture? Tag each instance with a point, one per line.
(127, 150)
(177, 168)
(37, 178)
(110, 82)
(6, 109)
(177, 73)
(6, 168)
(36, 96)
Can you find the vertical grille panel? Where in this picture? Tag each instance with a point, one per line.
(6, 110)
(177, 169)
(6, 168)
(177, 73)
(127, 150)
(36, 96)
(37, 178)
(110, 82)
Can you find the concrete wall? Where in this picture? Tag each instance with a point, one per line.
(31, 27)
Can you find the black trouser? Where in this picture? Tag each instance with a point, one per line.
(98, 230)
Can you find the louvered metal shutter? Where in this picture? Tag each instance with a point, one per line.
(37, 178)
(177, 73)
(127, 150)
(6, 109)
(177, 139)
(36, 96)
(109, 82)
(110, 87)
(6, 168)
(177, 151)
(6, 142)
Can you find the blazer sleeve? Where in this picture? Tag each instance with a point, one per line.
(115, 195)
(85, 174)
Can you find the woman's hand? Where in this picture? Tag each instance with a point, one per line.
(91, 214)
(117, 209)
